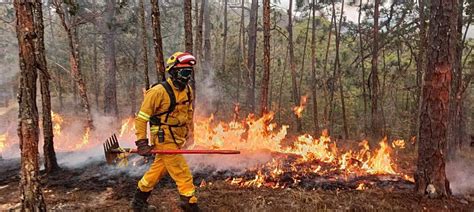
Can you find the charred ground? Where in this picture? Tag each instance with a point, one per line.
(98, 186)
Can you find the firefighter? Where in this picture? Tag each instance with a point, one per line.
(167, 107)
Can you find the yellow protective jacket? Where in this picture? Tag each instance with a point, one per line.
(157, 101)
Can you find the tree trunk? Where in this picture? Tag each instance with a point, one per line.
(251, 54)
(242, 63)
(224, 38)
(280, 90)
(74, 59)
(338, 74)
(50, 162)
(157, 40)
(382, 95)
(110, 88)
(421, 61)
(362, 66)
(133, 88)
(300, 81)
(430, 176)
(266, 56)
(375, 119)
(199, 31)
(325, 75)
(314, 84)
(455, 132)
(207, 63)
(145, 43)
(30, 187)
(60, 92)
(196, 25)
(188, 34)
(331, 80)
(58, 76)
(96, 73)
(294, 93)
(188, 26)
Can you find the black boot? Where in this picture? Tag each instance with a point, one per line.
(187, 206)
(139, 202)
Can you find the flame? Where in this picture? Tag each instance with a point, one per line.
(381, 163)
(310, 148)
(298, 110)
(413, 140)
(361, 186)
(400, 144)
(255, 134)
(236, 111)
(258, 181)
(126, 128)
(57, 122)
(85, 140)
(3, 139)
(297, 156)
(250, 134)
(409, 178)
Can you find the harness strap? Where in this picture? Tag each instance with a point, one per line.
(156, 120)
(170, 92)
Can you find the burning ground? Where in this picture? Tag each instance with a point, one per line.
(276, 170)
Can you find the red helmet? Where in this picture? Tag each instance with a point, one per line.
(180, 59)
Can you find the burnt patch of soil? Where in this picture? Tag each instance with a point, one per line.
(97, 186)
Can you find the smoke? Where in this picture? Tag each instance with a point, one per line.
(460, 174)
(88, 148)
(76, 149)
(235, 163)
(207, 93)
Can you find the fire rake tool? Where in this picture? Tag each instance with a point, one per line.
(113, 151)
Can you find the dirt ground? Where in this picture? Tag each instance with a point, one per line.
(96, 188)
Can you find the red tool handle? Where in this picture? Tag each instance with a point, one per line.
(182, 151)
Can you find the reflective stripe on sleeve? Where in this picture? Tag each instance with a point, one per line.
(143, 116)
(154, 129)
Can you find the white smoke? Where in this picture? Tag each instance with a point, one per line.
(238, 162)
(207, 93)
(460, 174)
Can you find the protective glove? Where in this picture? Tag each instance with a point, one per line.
(143, 148)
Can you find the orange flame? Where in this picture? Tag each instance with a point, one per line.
(126, 128)
(319, 155)
(3, 139)
(298, 110)
(85, 140)
(252, 134)
(409, 178)
(57, 122)
(361, 186)
(257, 181)
(400, 144)
(381, 163)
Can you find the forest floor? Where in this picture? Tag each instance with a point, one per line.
(92, 185)
(96, 186)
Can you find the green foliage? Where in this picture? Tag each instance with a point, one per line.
(397, 60)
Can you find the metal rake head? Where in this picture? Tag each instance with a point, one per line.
(111, 144)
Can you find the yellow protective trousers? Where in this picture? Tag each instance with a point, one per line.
(175, 166)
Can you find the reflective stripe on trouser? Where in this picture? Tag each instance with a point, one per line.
(176, 167)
